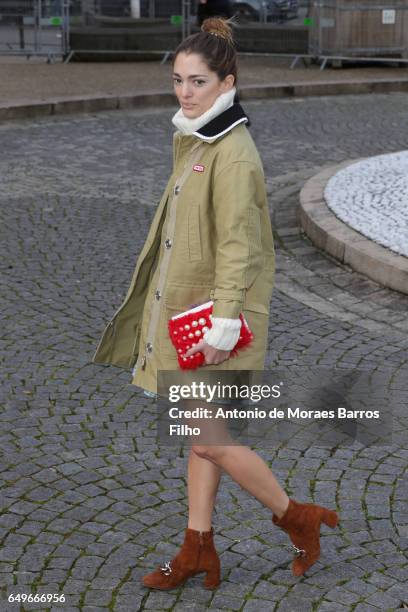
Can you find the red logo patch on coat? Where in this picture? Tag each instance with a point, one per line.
(198, 168)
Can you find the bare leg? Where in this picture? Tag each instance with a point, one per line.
(250, 472)
(215, 444)
(203, 480)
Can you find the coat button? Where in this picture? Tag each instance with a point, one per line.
(167, 243)
(149, 347)
(177, 189)
(157, 295)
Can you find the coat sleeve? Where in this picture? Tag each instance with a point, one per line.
(238, 196)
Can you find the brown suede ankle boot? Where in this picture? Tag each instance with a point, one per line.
(197, 555)
(302, 523)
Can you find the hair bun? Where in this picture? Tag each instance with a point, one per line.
(218, 27)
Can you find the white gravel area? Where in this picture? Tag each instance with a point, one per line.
(371, 196)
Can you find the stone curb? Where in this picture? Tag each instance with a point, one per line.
(330, 234)
(94, 103)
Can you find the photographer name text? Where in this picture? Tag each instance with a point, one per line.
(255, 413)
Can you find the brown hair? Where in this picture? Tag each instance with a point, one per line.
(216, 45)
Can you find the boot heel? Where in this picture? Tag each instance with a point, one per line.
(330, 518)
(212, 578)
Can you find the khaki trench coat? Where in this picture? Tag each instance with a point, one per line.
(210, 238)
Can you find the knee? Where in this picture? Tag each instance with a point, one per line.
(212, 453)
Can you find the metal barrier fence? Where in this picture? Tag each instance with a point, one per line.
(323, 30)
(34, 27)
(153, 28)
(274, 11)
(151, 9)
(346, 27)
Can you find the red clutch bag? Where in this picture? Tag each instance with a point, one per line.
(189, 327)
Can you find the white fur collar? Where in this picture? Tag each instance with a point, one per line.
(189, 126)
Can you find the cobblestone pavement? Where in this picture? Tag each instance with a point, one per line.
(89, 501)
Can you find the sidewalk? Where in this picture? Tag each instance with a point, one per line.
(33, 81)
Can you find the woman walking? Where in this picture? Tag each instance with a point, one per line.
(211, 238)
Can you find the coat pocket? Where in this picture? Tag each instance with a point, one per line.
(194, 238)
(177, 300)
